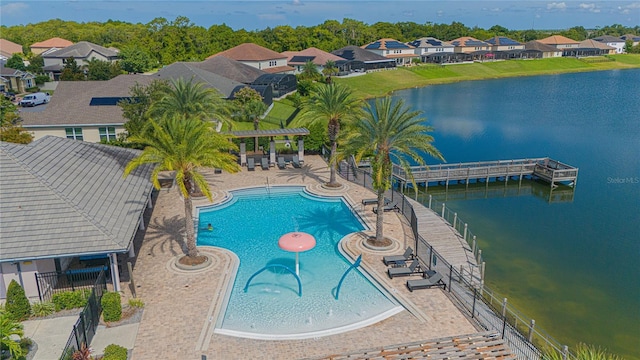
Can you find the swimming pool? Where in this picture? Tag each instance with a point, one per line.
(250, 224)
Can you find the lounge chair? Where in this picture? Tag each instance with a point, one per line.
(388, 207)
(394, 259)
(413, 269)
(251, 165)
(281, 163)
(431, 281)
(296, 162)
(264, 163)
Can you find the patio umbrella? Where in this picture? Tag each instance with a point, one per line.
(297, 242)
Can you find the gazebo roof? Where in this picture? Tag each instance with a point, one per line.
(269, 133)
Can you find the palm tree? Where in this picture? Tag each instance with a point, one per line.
(390, 133)
(332, 104)
(9, 328)
(330, 68)
(188, 99)
(183, 145)
(309, 71)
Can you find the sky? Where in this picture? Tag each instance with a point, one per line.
(259, 14)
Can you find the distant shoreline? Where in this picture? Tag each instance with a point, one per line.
(382, 83)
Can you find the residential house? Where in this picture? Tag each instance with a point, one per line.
(361, 60)
(50, 45)
(7, 49)
(393, 49)
(560, 42)
(503, 43)
(229, 68)
(84, 110)
(433, 50)
(589, 47)
(614, 42)
(319, 58)
(634, 38)
(82, 53)
(542, 50)
(16, 81)
(467, 44)
(259, 57)
(66, 199)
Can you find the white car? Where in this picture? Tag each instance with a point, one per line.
(35, 99)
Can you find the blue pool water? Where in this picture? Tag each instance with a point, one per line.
(250, 225)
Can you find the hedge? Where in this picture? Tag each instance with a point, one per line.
(70, 299)
(115, 352)
(111, 306)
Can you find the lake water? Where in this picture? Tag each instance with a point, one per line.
(572, 265)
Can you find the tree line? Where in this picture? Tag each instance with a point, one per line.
(163, 42)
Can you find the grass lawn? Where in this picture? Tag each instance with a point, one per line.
(382, 83)
(281, 111)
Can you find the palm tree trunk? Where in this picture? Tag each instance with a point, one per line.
(379, 219)
(192, 251)
(333, 165)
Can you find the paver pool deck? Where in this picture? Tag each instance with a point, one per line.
(181, 307)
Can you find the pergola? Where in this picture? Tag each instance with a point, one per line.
(272, 143)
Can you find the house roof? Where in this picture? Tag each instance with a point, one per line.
(249, 52)
(82, 50)
(67, 197)
(608, 39)
(537, 45)
(592, 43)
(278, 69)
(316, 56)
(55, 42)
(8, 48)
(10, 72)
(468, 41)
(430, 42)
(386, 44)
(630, 37)
(557, 40)
(352, 52)
(70, 105)
(187, 71)
(502, 41)
(230, 69)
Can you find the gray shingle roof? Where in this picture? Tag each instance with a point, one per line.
(82, 50)
(230, 68)
(70, 103)
(62, 197)
(352, 52)
(188, 71)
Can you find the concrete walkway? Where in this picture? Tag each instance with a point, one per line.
(51, 336)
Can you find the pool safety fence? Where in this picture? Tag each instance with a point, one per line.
(466, 288)
(54, 282)
(85, 327)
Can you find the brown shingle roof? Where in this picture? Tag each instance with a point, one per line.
(557, 40)
(537, 45)
(319, 57)
(249, 52)
(278, 69)
(8, 48)
(70, 103)
(55, 42)
(591, 43)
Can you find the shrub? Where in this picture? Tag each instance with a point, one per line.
(33, 89)
(25, 344)
(17, 305)
(111, 307)
(41, 79)
(70, 299)
(115, 352)
(40, 309)
(136, 303)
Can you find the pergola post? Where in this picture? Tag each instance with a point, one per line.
(243, 153)
(301, 150)
(272, 152)
(115, 275)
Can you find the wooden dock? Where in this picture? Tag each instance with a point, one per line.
(549, 170)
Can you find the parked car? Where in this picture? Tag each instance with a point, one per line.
(35, 99)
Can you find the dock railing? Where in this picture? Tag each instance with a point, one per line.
(489, 310)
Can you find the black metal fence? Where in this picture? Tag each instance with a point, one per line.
(88, 320)
(481, 304)
(50, 283)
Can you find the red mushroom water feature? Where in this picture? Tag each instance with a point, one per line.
(297, 242)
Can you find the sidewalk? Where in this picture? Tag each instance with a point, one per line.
(51, 336)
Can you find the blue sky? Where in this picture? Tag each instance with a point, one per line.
(258, 14)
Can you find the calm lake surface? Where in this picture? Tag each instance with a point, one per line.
(571, 264)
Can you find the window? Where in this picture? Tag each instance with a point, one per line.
(74, 133)
(107, 133)
(273, 63)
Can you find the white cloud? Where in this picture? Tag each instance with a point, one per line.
(556, 6)
(589, 7)
(296, 2)
(13, 8)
